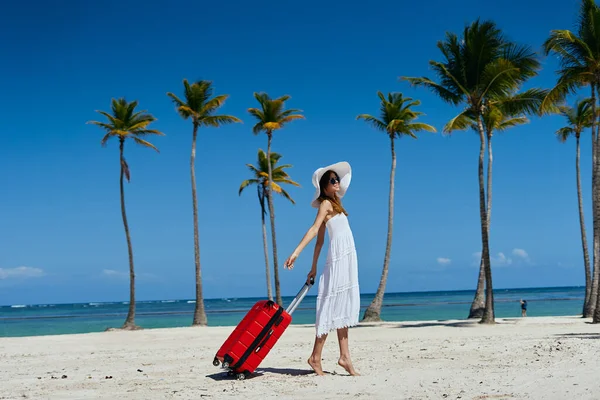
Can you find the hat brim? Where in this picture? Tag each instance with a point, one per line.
(343, 170)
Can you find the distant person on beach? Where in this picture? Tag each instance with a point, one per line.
(523, 308)
(338, 299)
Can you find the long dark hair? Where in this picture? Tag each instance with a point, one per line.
(336, 202)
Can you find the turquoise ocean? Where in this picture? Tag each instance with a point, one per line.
(55, 319)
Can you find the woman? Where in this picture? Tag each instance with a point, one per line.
(338, 300)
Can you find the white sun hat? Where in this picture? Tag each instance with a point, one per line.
(343, 170)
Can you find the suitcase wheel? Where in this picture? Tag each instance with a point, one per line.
(225, 365)
(241, 376)
(216, 362)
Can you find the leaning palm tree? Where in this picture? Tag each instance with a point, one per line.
(497, 118)
(396, 119)
(579, 118)
(260, 174)
(579, 66)
(124, 122)
(478, 67)
(272, 116)
(200, 107)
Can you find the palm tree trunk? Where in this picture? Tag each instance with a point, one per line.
(586, 256)
(199, 312)
(488, 313)
(595, 229)
(130, 320)
(261, 200)
(272, 218)
(478, 304)
(373, 312)
(595, 292)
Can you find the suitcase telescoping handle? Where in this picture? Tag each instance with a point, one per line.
(294, 304)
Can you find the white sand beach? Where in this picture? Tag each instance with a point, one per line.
(530, 358)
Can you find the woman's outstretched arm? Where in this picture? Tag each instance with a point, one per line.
(313, 231)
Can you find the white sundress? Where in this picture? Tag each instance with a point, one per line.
(338, 300)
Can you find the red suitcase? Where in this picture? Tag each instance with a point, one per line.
(255, 335)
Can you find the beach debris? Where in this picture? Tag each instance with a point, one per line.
(63, 377)
(107, 377)
(139, 370)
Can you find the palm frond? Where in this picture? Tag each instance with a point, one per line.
(213, 104)
(287, 196)
(105, 139)
(510, 123)
(271, 115)
(396, 116)
(373, 121)
(461, 122)
(139, 125)
(125, 122)
(290, 118)
(527, 102)
(419, 127)
(287, 181)
(108, 127)
(564, 133)
(145, 143)
(218, 120)
(498, 79)
(246, 183)
(112, 119)
(443, 93)
(261, 176)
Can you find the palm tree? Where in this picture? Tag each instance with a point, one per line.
(396, 119)
(260, 178)
(495, 119)
(579, 60)
(126, 123)
(478, 67)
(272, 116)
(579, 118)
(200, 106)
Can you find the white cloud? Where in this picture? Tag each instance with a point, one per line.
(501, 259)
(113, 273)
(443, 261)
(21, 272)
(520, 253)
(519, 256)
(498, 260)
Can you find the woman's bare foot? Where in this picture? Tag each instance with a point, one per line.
(346, 363)
(315, 364)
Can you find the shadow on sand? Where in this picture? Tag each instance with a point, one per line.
(287, 371)
(425, 324)
(594, 335)
(453, 324)
(223, 376)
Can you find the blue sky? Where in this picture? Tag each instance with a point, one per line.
(62, 236)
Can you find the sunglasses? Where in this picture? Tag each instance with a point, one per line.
(334, 180)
